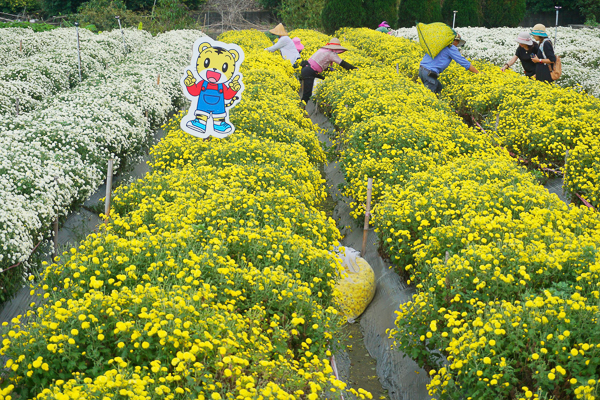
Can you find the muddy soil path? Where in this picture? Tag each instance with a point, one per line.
(399, 378)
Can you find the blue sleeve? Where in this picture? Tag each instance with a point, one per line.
(456, 56)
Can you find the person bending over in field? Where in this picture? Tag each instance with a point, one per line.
(525, 52)
(285, 45)
(431, 68)
(319, 62)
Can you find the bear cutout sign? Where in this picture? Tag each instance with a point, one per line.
(214, 85)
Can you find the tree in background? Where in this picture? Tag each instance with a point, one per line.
(539, 6)
(137, 5)
(340, 13)
(469, 12)
(302, 13)
(61, 7)
(498, 13)
(590, 9)
(64, 7)
(167, 15)
(412, 11)
(272, 5)
(376, 11)
(17, 6)
(101, 14)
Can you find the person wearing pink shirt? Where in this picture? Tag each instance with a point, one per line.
(319, 62)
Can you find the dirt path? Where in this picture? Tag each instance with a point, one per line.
(399, 377)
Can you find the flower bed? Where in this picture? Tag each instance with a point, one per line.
(213, 280)
(533, 120)
(582, 169)
(503, 270)
(506, 274)
(48, 63)
(54, 157)
(377, 113)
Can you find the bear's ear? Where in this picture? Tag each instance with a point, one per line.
(203, 47)
(235, 55)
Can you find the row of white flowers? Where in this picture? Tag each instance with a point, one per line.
(54, 157)
(48, 62)
(579, 50)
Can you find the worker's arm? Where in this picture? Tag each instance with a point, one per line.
(510, 63)
(460, 60)
(473, 69)
(346, 65)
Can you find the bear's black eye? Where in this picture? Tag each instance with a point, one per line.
(225, 66)
(206, 62)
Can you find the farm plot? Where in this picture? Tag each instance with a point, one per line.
(506, 274)
(47, 62)
(529, 118)
(52, 158)
(214, 278)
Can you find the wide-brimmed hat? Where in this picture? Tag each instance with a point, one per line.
(384, 24)
(334, 44)
(524, 38)
(279, 30)
(461, 42)
(298, 43)
(539, 30)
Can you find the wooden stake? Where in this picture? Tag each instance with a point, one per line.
(78, 49)
(56, 237)
(397, 69)
(109, 177)
(17, 107)
(565, 169)
(56, 228)
(367, 216)
(158, 79)
(21, 46)
(146, 114)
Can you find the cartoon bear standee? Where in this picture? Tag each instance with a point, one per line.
(214, 84)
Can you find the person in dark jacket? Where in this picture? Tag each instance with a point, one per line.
(319, 62)
(526, 50)
(545, 54)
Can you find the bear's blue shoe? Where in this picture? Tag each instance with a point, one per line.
(223, 127)
(196, 125)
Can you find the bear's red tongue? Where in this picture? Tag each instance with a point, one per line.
(213, 76)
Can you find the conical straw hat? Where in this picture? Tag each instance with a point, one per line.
(279, 30)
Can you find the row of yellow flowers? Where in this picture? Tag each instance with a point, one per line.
(532, 119)
(535, 120)
(214, 278)
(507, 275)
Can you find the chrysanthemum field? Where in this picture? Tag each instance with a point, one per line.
(214, 277)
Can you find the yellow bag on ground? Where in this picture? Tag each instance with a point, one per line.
(434, 37)
(356, 286)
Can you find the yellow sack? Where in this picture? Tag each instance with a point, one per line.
(356, 286)
(434, 37)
